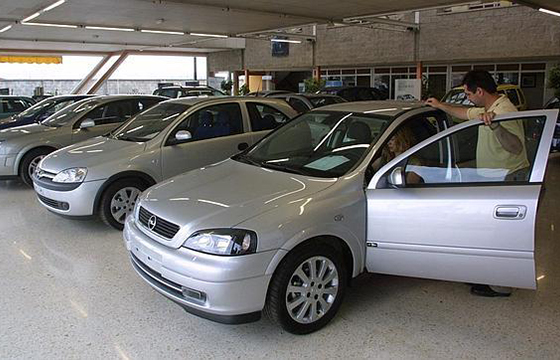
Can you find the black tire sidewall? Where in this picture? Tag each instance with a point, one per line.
(284, 274)
(110, 191)
(26, 161)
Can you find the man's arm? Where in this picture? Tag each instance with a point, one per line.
(453, 110)
(509, 141)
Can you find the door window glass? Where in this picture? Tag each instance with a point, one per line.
(211, 122)
(298, 105)
(264, 117)
(478, 154)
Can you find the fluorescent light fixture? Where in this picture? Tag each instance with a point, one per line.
(5, 28)
(286, 41)
(31, 17)
(108, 28)
(209, 35)
(550, 12)
(58, 3)
(163, 32)
(53, 25)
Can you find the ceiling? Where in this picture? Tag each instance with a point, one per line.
(225, 17)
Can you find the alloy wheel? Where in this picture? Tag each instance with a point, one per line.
(123, 203)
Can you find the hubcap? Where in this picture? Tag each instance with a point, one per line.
(312, 290)
(123, 203)
(33, 165)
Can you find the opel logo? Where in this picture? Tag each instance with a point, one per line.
(152, 221)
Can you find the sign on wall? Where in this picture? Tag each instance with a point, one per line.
(408, 89)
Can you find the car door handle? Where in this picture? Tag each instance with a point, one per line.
(242, 146)
(511, 212)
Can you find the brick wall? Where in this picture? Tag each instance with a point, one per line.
(511, 33)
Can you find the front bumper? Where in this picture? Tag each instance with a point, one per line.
(220, 288)
(77, 202)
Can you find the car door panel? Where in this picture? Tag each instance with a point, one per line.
(469, 232)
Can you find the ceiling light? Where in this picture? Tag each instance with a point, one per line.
(546, 11)
(209, 35)
(5, 28)
(163, 32)
(108, 28)
(53, 5)
(53, 25)
(31, 17)
(286, 41)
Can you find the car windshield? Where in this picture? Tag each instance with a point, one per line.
(69, 113)
(150, 123)
(319, 143)
(36, 109)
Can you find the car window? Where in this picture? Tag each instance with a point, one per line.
(172, 93)
(211, 122)
(149, 124)
(364, 94)
(317, 143)
(265, 117)
(474, 155)
(298, 105)
(15, 105)
(512, 95)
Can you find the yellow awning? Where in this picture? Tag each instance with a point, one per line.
(31, 59)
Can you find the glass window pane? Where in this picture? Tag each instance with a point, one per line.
(479, 154)
(264, 117)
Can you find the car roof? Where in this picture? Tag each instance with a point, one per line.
(382, 107)
(107, 98)
(16, 97)
(500, 87)
(218, 99)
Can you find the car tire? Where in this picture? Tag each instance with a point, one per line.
(118, 201)
(29, 164)
(301, 303)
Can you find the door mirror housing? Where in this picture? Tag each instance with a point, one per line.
(396, 178)
(87, 123)
(183, 135)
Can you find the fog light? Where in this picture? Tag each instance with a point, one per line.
(64, 206)
(194, 295)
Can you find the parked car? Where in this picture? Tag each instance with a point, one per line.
(12, 105)
(357, 93)
(514, 93)
(178, 91)
(304, 102)
(285, 225)
(105, 175)
(41, 110)
(23, 147)
(554, 103)
(266, 93)
(407, 97)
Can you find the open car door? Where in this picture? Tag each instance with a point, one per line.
(461, 205)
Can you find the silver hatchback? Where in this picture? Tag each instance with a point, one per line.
(379, 187)
(104, 175)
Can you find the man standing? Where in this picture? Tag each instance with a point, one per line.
(499, 146)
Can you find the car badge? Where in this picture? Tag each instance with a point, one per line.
(152, 221)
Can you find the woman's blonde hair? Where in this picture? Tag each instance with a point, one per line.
(403, 139)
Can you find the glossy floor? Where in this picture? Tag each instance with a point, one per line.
(68, 291)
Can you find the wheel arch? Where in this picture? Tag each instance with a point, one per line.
(24, 153)
(131, 174)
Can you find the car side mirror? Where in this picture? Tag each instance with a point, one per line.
(183, 135)
(87, 123)
(396, 178)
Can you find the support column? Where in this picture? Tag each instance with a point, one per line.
(419, 70)
(317, 73)
(195, 71)
(108, 73)
(235, 88)
(247, 79)
(78, 89)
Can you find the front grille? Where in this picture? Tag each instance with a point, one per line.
(55, 204)
(163, 227)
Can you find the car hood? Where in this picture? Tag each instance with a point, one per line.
(90, 153)
(25, 130)
(223, 195)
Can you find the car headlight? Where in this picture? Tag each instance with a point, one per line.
(74, 175)
(223, 242)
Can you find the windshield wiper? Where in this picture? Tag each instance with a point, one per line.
(280, 167)
(131, 138)
(246, 159)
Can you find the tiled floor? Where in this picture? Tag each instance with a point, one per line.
(68, 291)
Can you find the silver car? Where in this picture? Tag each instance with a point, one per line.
(22, 147)
(286, 225)
(104, 175)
